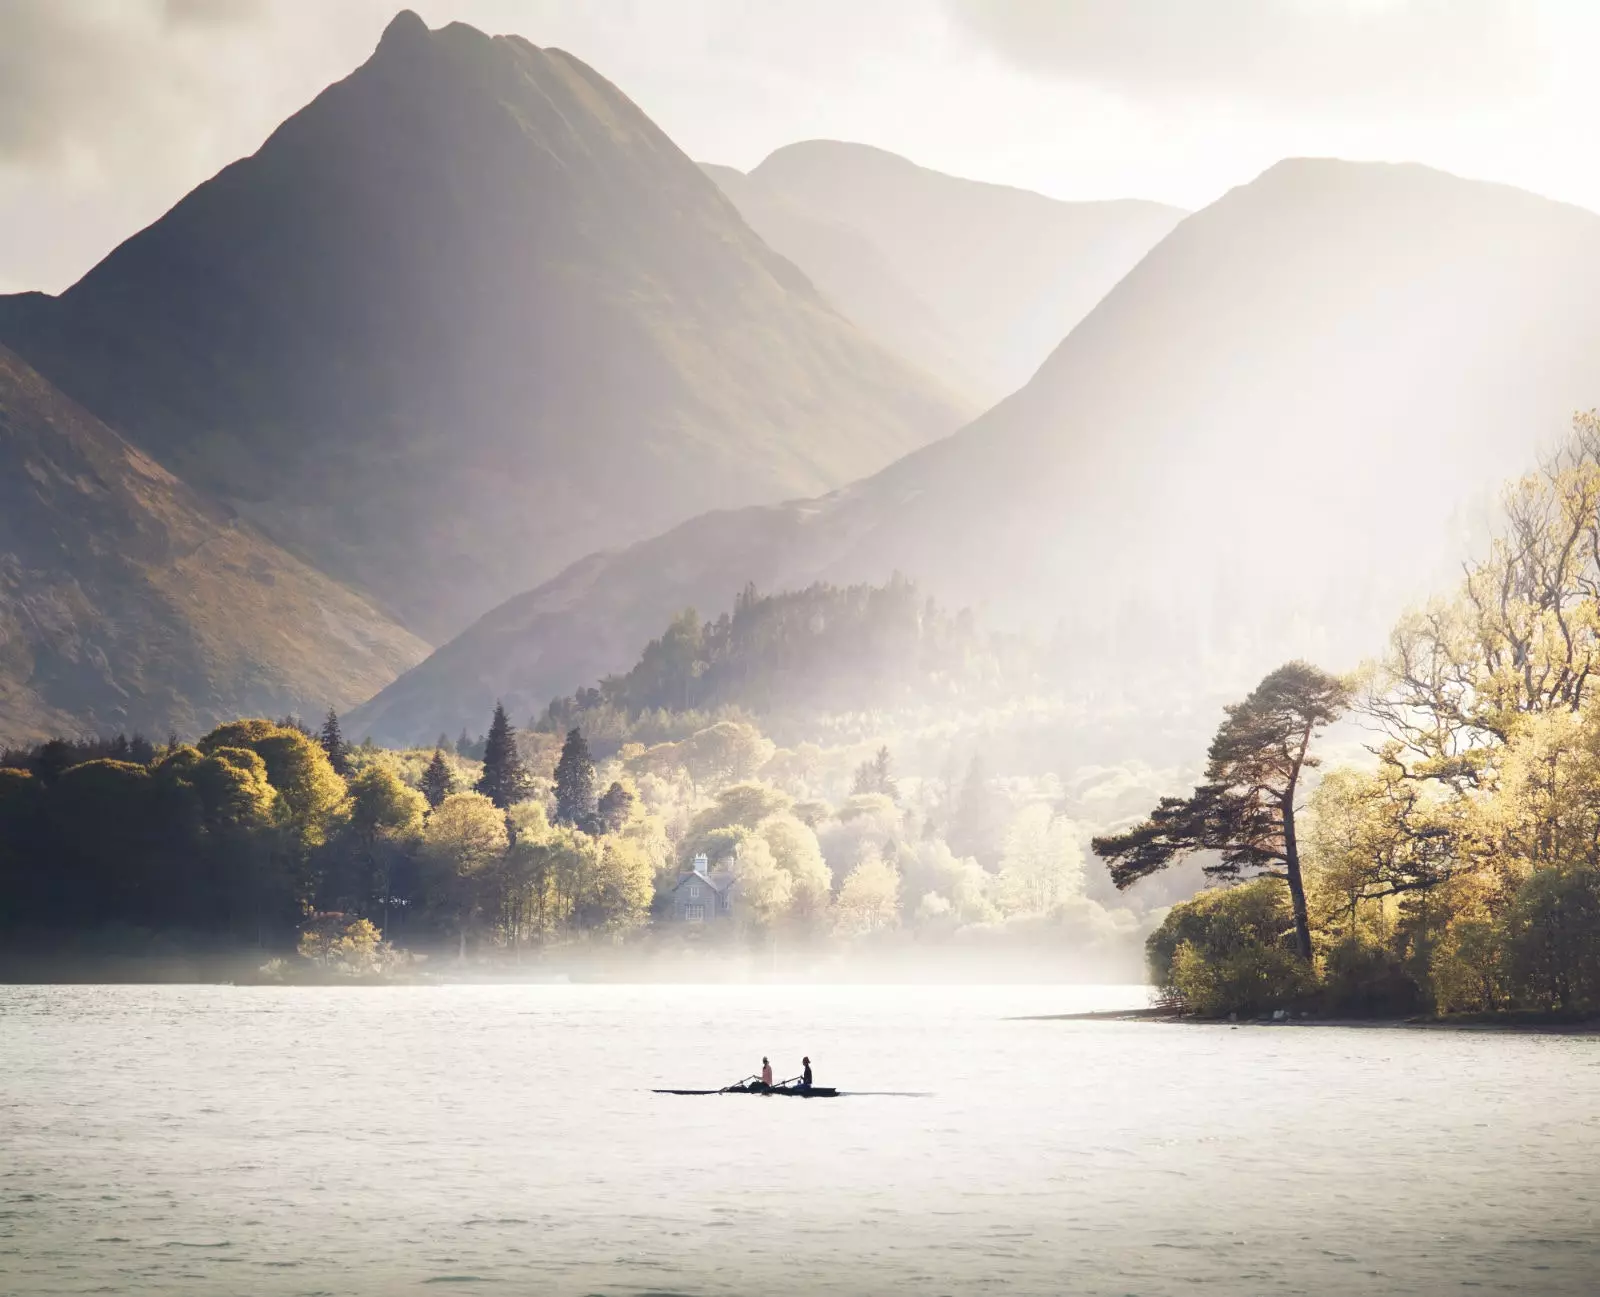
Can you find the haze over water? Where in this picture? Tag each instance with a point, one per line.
(249, 1140)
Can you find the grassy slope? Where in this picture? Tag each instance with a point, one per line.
(127, 601)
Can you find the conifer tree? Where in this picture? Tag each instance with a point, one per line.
(438, 780)
(332, 740)
(575, 802)
(975, 827)
(1245, 809)
(614, 808)
(504, 779)
(877, 776)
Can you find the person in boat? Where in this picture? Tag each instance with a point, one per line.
(805, 1076)
(766, 1072)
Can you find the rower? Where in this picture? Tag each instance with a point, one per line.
(805, 1078)
(766, 1072)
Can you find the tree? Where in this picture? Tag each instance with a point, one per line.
(333, 744)
(298, 768)
(870, 897)
(438, 780)
(384, 818)
(1245, 809)
(1225, 951)
(615, 808)
(725, 753)
(575, 802)
(504, 781)
(463, 839)
(877, 776)
(1041, 863)
(975, 826)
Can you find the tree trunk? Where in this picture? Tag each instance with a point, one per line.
(1297, 887)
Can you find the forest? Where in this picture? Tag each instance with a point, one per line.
(1456, 867)
(854, 765)
(312, 852)
(793, 656)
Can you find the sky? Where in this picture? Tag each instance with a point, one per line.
(111, 110)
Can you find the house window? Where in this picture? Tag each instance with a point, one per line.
(694, 913)
(694, 891)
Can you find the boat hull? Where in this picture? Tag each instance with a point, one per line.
(768, 1092)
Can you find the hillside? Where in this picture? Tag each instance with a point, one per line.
(1272, 434)
(856, 275)
(128, 602)
(464, 318)
(998, 275)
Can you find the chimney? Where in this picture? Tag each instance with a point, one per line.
(701, 864)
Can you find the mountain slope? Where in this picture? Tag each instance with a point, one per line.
(855, 274)
(127, 602)
(462, 319)
(1275, 431)
(1006, 273)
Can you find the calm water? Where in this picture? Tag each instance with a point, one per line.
(232, 1141)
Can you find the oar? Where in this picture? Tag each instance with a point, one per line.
(784, 1085)
(736, 1085)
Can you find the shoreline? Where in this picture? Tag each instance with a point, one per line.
(1517, 1021)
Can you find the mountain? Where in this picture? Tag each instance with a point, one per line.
(856, 275)
(984, 275)
(127, 602)
(1286, 422)
(464, 318)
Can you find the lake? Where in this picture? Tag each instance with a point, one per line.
(217, 1140)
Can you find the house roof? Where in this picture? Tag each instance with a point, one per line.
(717, 884)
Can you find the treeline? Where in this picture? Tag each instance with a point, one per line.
(265, 836)
(823, 649)
(1458, 869)
(261, 833)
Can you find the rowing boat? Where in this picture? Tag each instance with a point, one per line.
(771, 1091)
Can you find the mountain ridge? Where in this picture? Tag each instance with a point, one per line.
(461, 295)
(1210, 458)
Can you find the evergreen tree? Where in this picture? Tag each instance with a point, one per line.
(877, 776)
(332, 740)
(975, 826)
(615, 807)
(574, 781)
(438, 780)
(464, 744)
(504, 780)
(1245, 809)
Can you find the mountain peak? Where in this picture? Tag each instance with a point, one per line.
(405, 31)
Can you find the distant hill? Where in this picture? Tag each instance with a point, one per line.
(129, 603)
(1280, 427)
(977, 280)
(857, 276)
(464, 318)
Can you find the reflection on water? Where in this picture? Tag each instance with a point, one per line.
(255, 1140)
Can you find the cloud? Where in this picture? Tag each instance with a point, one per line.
(1424, 54)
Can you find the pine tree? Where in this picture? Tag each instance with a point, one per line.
(574, 781)
(332, 740)
(877, 776)
(975, 826)
(614, 808)
(504, 781)
(1245, 809)
(438, 780)
(463, 744)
